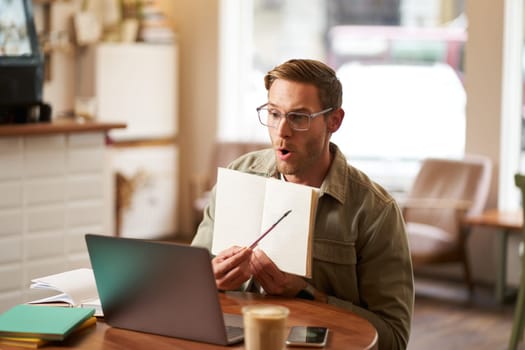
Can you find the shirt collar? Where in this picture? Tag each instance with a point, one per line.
(334, 183)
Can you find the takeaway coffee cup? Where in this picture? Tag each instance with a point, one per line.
(264, 326)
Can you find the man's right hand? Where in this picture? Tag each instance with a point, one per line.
(231, 267)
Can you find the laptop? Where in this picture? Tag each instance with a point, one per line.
(162, 288)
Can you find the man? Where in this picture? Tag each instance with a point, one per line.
(361, 260)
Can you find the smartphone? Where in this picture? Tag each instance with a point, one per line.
(307, 336)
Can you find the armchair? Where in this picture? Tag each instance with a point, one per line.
(223, 153)
(443, 193)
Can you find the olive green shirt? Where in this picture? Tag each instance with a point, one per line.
(361, 258)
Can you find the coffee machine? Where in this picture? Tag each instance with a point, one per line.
(21, 66)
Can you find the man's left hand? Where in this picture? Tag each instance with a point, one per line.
(273, 280)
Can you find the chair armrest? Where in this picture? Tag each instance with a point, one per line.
(459, 206)
(199, 185)
(199, 197)
(435, 203)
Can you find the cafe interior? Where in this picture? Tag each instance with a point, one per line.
(135, 104)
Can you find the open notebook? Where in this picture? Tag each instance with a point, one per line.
(160, 287)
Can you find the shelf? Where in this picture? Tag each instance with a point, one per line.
(59, 126)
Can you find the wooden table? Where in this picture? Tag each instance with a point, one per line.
(504, 222)
(347, 330)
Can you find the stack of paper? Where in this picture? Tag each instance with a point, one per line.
(77, 287)
(33, 325)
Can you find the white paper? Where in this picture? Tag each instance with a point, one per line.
(78, 288)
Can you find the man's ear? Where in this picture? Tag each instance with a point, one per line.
(335, 119)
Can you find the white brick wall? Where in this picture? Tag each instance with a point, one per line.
(53, 190)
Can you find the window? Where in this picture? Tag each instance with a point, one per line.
(398, 62)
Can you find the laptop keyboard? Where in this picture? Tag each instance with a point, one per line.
(234, 332)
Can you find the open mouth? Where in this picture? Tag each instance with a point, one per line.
(283, 152)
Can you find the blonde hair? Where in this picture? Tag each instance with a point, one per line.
(311, 72)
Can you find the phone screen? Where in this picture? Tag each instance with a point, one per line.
(307, 336)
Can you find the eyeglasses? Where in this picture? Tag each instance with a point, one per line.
(271, 117)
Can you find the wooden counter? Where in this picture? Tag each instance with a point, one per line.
(58, 126)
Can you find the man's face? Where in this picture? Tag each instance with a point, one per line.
(298, 152)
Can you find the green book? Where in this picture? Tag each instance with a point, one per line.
(44, 322)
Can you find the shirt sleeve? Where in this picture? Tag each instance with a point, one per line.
(385, 279)
(204, 235)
